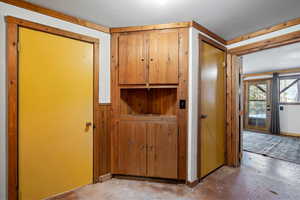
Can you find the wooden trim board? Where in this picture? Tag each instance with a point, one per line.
(56, 14)
(285, 71)
(267, 44)
(150, 27)
(12, 86)
(290, 134)
(264, 31)
(208, 32)
(169, 26)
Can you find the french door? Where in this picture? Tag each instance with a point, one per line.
(257, 105)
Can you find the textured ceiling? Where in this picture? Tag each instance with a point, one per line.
(229, 19)
(285, 57)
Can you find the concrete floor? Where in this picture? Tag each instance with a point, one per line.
(259, 178)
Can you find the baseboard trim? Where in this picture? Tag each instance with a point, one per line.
(105, 177)
(150, 179)
(290, 134)
(193, 183)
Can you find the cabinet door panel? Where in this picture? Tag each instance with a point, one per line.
(132, 61)
(132, 148)
(162, 150)
(163, 57)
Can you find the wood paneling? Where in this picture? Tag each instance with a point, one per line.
(265, 31)
(132, 148)
(56, 14)
(162, 157)
(233, 110)
(103, 130)
(182, 93)
(132, 59)
(267, 44)
(163, 57)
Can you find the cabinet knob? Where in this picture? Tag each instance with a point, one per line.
(142, 59)
(151, 59)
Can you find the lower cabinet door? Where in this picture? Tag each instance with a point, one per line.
(162, 145)
(132, 148)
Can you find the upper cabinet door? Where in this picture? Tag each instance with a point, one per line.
(132, 59)
(163, 57)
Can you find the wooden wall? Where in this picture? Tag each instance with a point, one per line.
(102, 130)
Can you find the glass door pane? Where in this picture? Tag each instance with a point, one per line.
(257, 105)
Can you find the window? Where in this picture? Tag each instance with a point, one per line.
(290, 89)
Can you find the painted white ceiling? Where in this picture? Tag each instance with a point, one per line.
(227, 18)
(279, 58)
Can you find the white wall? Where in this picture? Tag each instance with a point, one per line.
(289, 119)
(193, 103)
(104, 89)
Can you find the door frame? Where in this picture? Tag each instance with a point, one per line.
(13, 24)
(205, 39)
(233, 70)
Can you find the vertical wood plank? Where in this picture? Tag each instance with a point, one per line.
(115, 100)
(182, 114)
(96, 136)
(12, 84)
(229, 109)
(103, 128)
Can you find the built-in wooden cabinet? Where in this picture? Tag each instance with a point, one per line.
(149, 80)
(148, 148)
(150, 57)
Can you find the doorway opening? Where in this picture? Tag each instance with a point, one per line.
(271, 102)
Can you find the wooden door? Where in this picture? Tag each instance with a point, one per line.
(163, 57)
(257, 105)
(132, 151)
(162, 155)
(132, 59)
(212, 108)
(55, 103)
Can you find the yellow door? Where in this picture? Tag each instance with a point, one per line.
(212, 109)
(55, 102)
